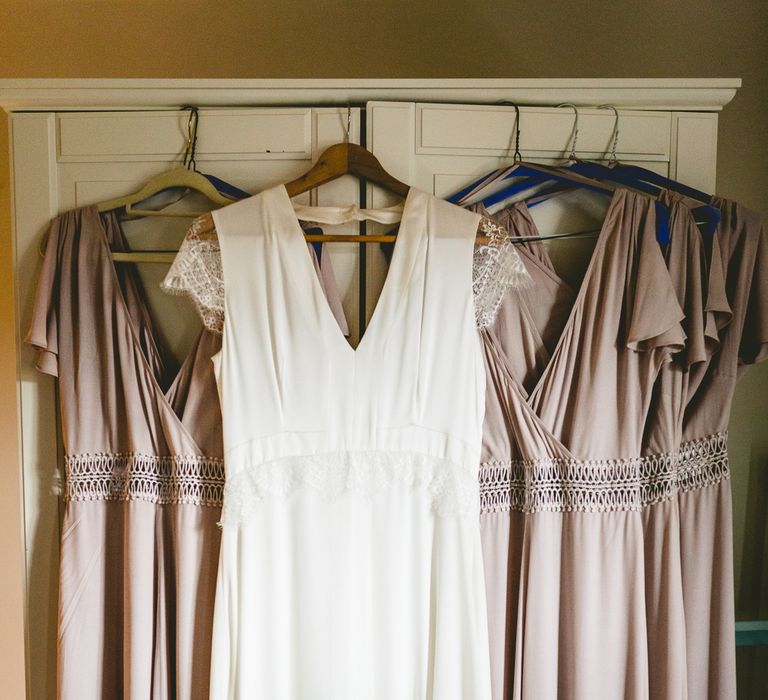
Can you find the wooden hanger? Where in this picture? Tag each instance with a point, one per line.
(340, 159)
(179, 177)
(346, 159)
(186, 177)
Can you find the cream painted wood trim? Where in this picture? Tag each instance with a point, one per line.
(44, 94)
(13, 602)
(35, 202)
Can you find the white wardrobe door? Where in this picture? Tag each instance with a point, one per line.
(76, 158)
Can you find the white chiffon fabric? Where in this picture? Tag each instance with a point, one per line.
(350, 562)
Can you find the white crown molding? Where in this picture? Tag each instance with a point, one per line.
(44, 94)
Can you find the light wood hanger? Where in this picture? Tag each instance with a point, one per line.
(185, 177)
(180, 177)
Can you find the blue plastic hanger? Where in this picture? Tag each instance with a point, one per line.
(456, 197)
(637, 175)
(225, 188)
(662, 211)
(661, 181)
(535, 176)
(708, 216)
(710, 213)
(599, 171)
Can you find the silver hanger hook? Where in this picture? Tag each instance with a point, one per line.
(349, 123)
(517, 157)
(572, 154)
(615, 135)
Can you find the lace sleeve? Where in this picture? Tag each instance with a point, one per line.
(496, 267)
(196, 272)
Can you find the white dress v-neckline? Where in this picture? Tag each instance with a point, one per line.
(409, 234)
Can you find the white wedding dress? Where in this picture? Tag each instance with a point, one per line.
(350, 564)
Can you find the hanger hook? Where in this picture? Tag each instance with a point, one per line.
(572, 154)
(517, 157)
(615, 135)
(192, 122)
(349, 122)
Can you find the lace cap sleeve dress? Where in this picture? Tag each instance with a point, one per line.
(350, 555)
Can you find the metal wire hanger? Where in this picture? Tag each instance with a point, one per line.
(186, 177)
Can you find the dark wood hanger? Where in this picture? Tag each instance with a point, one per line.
(346, 159)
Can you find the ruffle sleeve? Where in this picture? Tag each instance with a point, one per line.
(754, 340)
(654, 313)
(43, 333)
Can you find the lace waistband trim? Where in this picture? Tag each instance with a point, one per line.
(452, 489)
(128, 476)
(559, 485)
(523, 485)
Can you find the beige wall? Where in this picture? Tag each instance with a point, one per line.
(474, 38)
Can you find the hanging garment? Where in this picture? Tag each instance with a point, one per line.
(705, 493)
(526, 326)
(144, 473)
(143, 481)
(575, 479)
(697, 276)
(350, 562)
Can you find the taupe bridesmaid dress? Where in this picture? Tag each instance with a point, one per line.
(143, 473)
(706, 522)
(526, 328)
(688, 529)
(577, 485)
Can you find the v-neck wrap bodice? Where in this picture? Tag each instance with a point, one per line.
(559, 372)
(397, 403)
(136, 425)
(623, 325)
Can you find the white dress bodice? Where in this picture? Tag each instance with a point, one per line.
(293, 386)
